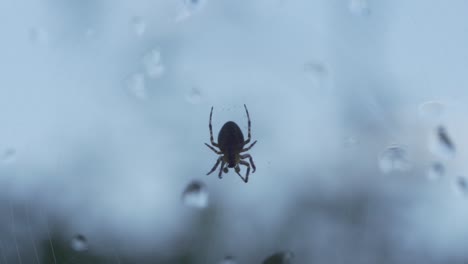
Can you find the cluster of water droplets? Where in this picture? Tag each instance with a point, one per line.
(441, 145)
(195, 195)
(153, 69)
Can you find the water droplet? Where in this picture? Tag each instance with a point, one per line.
(139, 26)
(431, 110)
(8, 155)
(359, 7)
(461, 185)
(436, 171)
(153, 64)
(194, 96)
(38, 36)
(228, 260)
(394, 158)
(195, 195)
(279, 258)
(79, 243)
(136, 86)
(441, 145)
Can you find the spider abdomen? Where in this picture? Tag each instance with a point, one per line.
(230, 138)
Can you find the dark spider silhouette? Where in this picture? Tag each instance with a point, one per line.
(231, 144)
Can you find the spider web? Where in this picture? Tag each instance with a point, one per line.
(27, 237)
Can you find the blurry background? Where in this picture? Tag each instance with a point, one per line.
(358, 107)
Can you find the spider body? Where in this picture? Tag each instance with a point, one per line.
(231, 144)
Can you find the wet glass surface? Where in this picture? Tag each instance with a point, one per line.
(359, 108)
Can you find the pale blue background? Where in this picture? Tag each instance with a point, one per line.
(328, 85)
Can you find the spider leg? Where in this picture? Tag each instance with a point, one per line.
(216, 165)
(211, 130)
(245, 163)
(220, 175)
(248, 119)
(213, 149)
(250, 159)
(249, 147)
(237, 171)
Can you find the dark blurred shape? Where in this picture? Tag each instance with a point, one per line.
(462, 185)
(436, 171)
(446, 144)
(284, 257)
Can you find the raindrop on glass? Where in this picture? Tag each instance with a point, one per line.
(436, 171)
(153, 64)
(38, 36)
(195, 195)
(228, 260)
(441, 144)
(431, 110)
(279, 258)
(394, 158)
(194, 96)
(461, 185)
(138, 25)
(8, 155)
(359, 7)
(136, 86)
(79, 243)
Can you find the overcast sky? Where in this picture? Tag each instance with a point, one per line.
(104, 109)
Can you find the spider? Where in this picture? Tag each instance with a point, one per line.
(231, 144)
